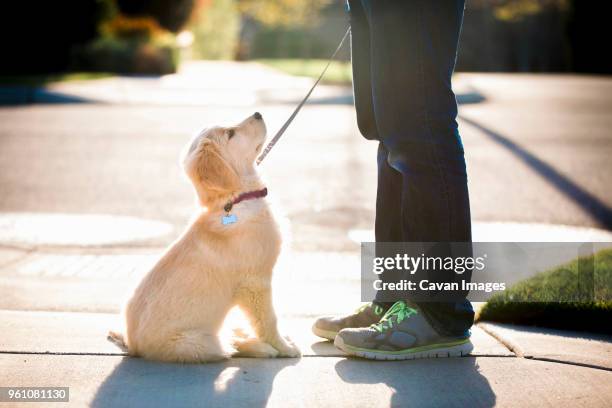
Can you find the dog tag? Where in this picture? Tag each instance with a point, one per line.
(229, 219)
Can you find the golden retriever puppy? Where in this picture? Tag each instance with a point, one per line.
(224, 258)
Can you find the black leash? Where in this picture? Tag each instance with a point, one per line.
(297, 109)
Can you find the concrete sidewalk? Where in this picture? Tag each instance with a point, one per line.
(510, 365)
(70, 349)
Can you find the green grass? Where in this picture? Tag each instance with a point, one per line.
(339, 72)
(43, 79)
(586, 304)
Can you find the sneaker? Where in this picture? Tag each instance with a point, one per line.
(366, 315)
(402, 334)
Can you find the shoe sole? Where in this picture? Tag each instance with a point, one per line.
(443, 350)
(326, 334)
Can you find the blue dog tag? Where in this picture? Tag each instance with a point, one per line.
(229, 219)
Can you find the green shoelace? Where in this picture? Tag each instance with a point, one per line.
(377, 309)
(399, 311)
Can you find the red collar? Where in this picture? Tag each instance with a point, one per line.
(249, 195)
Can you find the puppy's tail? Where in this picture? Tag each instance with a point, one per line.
(118, 340)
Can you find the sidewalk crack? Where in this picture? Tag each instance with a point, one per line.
(509, 344)
(572, 363)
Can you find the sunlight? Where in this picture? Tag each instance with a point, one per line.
(236, 323)
(77, 229)
(224, 377)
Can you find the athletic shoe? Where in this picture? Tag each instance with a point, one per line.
(366, 315)
(403, 333)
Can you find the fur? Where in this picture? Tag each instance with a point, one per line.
(177, 310)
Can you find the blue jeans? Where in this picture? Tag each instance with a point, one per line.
(403, 55)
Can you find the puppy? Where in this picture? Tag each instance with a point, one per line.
(224, 258)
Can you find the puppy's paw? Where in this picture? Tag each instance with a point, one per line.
(288, 349)
(267, 351)
(252, 347)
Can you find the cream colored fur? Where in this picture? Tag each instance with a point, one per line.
(178, 308)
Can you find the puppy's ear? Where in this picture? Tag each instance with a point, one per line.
(213, 171)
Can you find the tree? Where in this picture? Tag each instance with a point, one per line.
(283, 13)
(170, 14)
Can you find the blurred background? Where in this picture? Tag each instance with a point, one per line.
(153, 37)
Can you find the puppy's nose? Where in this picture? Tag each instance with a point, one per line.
(257, 115)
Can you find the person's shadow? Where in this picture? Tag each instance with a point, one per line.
(136, 382)
(423, 383)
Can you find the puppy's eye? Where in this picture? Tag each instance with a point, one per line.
(231, 133)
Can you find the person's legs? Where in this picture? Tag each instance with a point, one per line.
(413, 46)
(394, 203)
(422, 187)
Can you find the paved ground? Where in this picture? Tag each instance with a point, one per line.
(91, 192)
(74, 352)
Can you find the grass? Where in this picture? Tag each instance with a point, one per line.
(43, 79)
(339, 72)
(564, 297)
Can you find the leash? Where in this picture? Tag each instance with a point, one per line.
(297, 109)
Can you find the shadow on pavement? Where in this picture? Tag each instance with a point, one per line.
(587, 201)
(23, 95)
(444, 382)
(140, 383)
(469, 97)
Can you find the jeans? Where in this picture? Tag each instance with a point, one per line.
(403, 55)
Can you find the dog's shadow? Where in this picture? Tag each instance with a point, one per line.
(136, 382)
